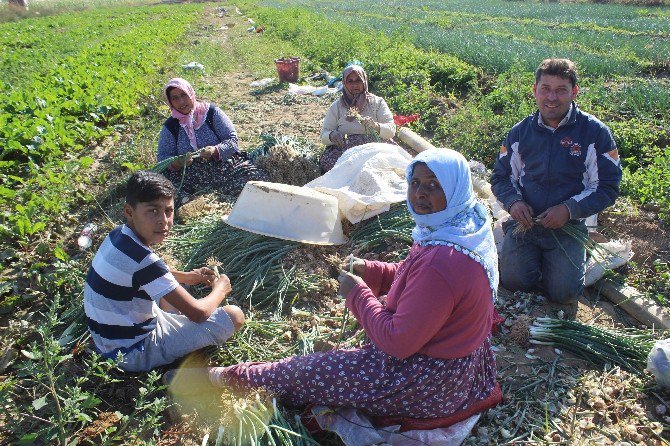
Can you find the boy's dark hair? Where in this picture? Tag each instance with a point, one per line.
(563, 68)
(144, 186)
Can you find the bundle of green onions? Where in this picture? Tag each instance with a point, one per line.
(353, 113)
(162, 166)
(394, 225)
(627, 349)
(593, 248)
(252, 262)
(278, 338)
(252, 422)
(302, 146)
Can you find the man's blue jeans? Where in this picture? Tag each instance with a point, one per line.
(545, 258)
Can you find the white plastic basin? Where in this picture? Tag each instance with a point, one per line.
(300, 214)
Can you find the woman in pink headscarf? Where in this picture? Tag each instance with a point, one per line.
(358, 117)
(201, 128)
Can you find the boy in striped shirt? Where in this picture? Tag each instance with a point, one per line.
(128, 284)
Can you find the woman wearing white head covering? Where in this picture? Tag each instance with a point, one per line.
(464, 223)
(428, 317)
(358, 117)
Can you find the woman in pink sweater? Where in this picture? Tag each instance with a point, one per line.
(428, 317)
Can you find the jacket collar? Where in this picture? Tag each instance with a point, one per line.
(567, 120)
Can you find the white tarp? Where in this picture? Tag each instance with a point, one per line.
(310, 89)
(366, 180)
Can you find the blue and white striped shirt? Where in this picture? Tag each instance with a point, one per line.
(123, 286)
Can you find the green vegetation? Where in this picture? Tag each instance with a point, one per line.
(253, 262)
(627, 349)
(70, 80)
(44, 8)
(74, 81)
(602, 39)
(410, 79)
(390, 232)
(467, 102)
(55, 392)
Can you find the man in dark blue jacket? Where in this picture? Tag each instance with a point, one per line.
(555, 167)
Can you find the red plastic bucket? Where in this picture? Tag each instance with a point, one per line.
(288, 69)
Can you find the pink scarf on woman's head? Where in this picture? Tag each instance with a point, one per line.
(191, 122)
(358, 100)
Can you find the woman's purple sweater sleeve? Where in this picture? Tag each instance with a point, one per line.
(379, 276)
(225, 130)
(167, 145)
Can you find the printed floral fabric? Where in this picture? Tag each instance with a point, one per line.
(369, 379)
(227, 177)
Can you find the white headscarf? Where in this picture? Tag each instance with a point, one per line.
(465, 223)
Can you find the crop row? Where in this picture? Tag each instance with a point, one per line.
(77, 78)
(404, 74)
(495, 38)
(579, 14)
(476, 119)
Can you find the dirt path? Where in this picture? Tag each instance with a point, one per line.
(257, 110)
(272, 110)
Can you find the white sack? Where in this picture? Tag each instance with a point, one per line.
(310, 89)
(658, 362)
(620, 252)
(366, 180)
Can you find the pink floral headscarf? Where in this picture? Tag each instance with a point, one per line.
(191, 122)
(359, 100)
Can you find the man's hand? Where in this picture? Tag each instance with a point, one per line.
(522, 213)
(206, 153)
(337, 138)
(554, 217)
(369, 123)
(347, 282)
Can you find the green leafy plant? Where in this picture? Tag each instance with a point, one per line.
(74, 94)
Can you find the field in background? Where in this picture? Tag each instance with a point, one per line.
(603, 39)
(69, 80)
(42, 8)
(623, 54)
